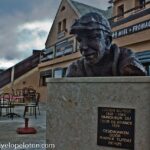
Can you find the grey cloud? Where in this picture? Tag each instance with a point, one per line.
(10, 21)
(42, 34)
(17, 12)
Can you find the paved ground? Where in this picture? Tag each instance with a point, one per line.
(8, 128)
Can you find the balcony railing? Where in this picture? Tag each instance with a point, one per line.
(61, 35)
(61, 48)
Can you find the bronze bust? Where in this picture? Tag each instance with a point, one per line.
(99, 56)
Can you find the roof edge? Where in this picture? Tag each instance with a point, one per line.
(74, 8)
(54, 21)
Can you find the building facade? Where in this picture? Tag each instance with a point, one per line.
(61, 48)
(130, 22)
(23, 74)
(131, 27)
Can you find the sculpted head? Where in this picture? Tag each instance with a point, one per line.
(93, 32)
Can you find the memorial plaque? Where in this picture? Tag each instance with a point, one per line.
(116, 127)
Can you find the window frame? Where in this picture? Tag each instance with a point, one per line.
(59, 26)
(120, 10)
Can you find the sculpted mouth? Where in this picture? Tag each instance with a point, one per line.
(91, 56)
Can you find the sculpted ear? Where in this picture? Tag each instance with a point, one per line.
(108, 42)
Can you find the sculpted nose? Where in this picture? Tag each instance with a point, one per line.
(84, 45)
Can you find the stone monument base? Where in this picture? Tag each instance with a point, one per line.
(110, 113)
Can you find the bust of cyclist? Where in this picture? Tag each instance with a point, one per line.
(99, 56)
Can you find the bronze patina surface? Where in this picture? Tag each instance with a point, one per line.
(99, 56)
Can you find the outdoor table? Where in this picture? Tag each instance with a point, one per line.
(14, 102)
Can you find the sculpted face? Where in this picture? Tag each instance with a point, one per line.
(92, 45)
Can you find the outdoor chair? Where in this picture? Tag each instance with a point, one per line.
(31, 93)
(7, 104)
(0, 106)
(18, 94)
(28, 93)
(32, 106)
(25, 93)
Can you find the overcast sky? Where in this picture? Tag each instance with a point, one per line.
(24, 26)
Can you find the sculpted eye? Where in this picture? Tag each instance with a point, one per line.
(99, 36)
(95, 37)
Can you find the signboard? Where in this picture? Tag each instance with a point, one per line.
(132, 29)
(116, 127)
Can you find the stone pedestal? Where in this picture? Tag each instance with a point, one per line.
(78, 108)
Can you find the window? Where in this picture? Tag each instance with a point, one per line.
(44, 75)
(64, 25)
(43, 82)
(59, 72)
(59, 48)
(63, 8)
(121, 10)
(59, 27)
(139, 3)
(64, 47)
(68, 49)
(48, 54)
(64, 71)
(148, 70)
(142, 3)
(147, 67)
(59, 52)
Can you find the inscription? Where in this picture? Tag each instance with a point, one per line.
(132, 29)
(116, 127)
